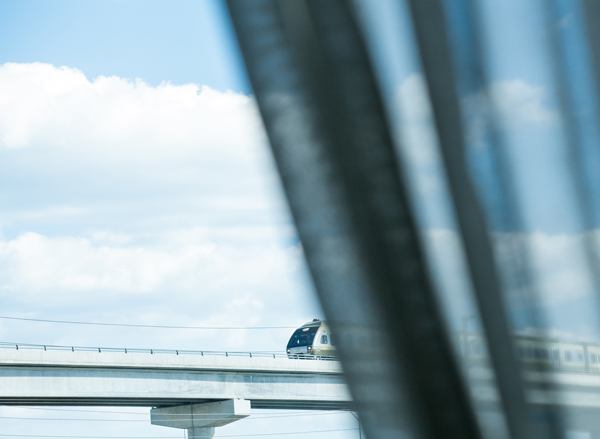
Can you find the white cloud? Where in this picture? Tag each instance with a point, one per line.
(517, 101)
(531, 133)
(68, 140)
(47, 107)
(184, 262)
(35, 263)
(108, 158)
(560, 277)
(122, 201)
(417, 128)
(557, 260)
(521, 110)
(107, 150)
(560, 260)
(521, 102)
(531, 128)
(195, 277)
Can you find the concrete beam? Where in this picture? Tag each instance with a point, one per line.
(200, 420)
(161, 380)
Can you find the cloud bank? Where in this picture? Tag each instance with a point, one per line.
(48, 107)
(123, 201)
(159, 204)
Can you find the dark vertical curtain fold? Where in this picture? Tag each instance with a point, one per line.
(432, 38)
(576, 155)
(331, 142)
(349, 199)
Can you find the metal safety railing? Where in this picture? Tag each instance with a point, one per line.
(152, 351)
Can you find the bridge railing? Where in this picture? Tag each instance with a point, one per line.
(152, 351)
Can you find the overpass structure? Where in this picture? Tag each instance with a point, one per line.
(201, 390)
(195, 390)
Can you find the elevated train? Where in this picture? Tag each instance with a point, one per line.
(313, 340)
(555, 354)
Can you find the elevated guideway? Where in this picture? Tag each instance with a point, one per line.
(561, 388)
(202, 390)
(63, 375)
(69, 375)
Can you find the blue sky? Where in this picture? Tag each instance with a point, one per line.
(179, 41)
(136, 184)
(130, 137)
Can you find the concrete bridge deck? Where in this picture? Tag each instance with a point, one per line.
(65, 375)
(214, 388)
(34, 375)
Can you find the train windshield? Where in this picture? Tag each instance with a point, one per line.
(303, 337)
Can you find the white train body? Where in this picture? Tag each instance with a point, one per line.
(534, 350)
(311, 340)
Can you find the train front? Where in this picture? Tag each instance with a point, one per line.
(301, 341)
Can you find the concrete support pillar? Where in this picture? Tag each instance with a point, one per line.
(201, 433)
(200, 420)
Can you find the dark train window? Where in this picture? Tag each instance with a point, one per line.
(568, 356)
(324, 339)
(556, 354)
(579, 356)
(303, 337)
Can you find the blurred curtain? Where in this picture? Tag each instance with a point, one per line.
(321, 74)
